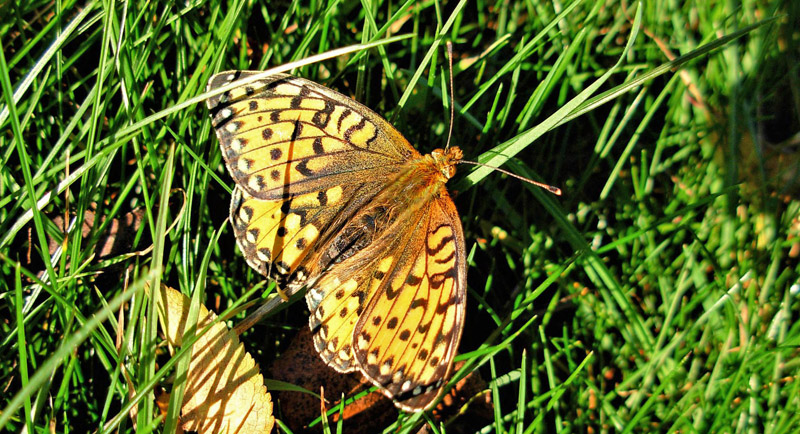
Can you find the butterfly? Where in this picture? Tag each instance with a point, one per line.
(330, 197)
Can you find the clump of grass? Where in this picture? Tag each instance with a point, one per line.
(658, 294)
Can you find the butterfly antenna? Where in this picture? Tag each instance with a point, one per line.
(548, 187)
(452, 94)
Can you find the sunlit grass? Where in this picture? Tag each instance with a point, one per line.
(659, 293)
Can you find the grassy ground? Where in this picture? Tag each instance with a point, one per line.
(660, 293)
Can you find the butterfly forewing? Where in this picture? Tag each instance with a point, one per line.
(285, 135)
(329, 195)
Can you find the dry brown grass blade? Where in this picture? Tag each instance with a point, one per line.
(225, 391)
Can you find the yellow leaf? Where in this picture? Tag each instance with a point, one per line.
(225, 391)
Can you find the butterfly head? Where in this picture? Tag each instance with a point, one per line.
(445, 160)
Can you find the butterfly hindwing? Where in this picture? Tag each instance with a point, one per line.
(276, 236)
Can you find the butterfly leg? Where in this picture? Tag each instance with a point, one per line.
(282, 294)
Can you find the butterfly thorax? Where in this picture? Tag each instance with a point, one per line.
(422, 180)
(412, 187)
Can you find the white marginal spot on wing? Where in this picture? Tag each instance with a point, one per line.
(244, 216)
(252, 182)
(386, 368)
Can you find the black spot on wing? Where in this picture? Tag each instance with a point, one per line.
(437, 279)
(302, 167)
(297, 101)
(322, 197)
(346, 113)
(444, 241)
(323, 117)
(446, 259)
(442, 308)
(317, 146)
(286, 207)
(413, 280)
(361, 295)
(441, 337)
(391, 293)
